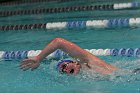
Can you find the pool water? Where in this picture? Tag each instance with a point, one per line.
(46, 78)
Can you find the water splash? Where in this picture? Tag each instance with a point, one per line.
(125, 74)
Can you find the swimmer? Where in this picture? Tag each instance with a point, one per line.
(83, 59)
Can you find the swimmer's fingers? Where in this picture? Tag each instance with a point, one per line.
(29, 63)
(26, 61)
(35, 66)
(25, 66)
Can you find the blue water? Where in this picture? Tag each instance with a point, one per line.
(46, 79)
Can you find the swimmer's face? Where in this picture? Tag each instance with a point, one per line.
(70, 67)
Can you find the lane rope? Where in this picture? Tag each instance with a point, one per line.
(123, 52)
(116, 6)
(106, 23)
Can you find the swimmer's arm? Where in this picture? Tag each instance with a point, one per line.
(58, 43)
(72, 49)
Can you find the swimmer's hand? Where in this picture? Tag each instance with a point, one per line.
(31, 63)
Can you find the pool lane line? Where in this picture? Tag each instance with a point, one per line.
(123, 52)
(106, 23)
(102, 7)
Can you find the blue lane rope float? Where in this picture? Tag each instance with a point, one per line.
(109, 23)
(118, 22)
(122, 52)
(128, 52)
(9, 55)
(76, 24)
(72, 9)
(136, 4)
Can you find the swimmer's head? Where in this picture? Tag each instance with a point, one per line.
(69, 67)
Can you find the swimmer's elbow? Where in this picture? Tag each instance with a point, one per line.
(58, 40)
(61, 43)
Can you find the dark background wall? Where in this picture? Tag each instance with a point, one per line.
(7, 0)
